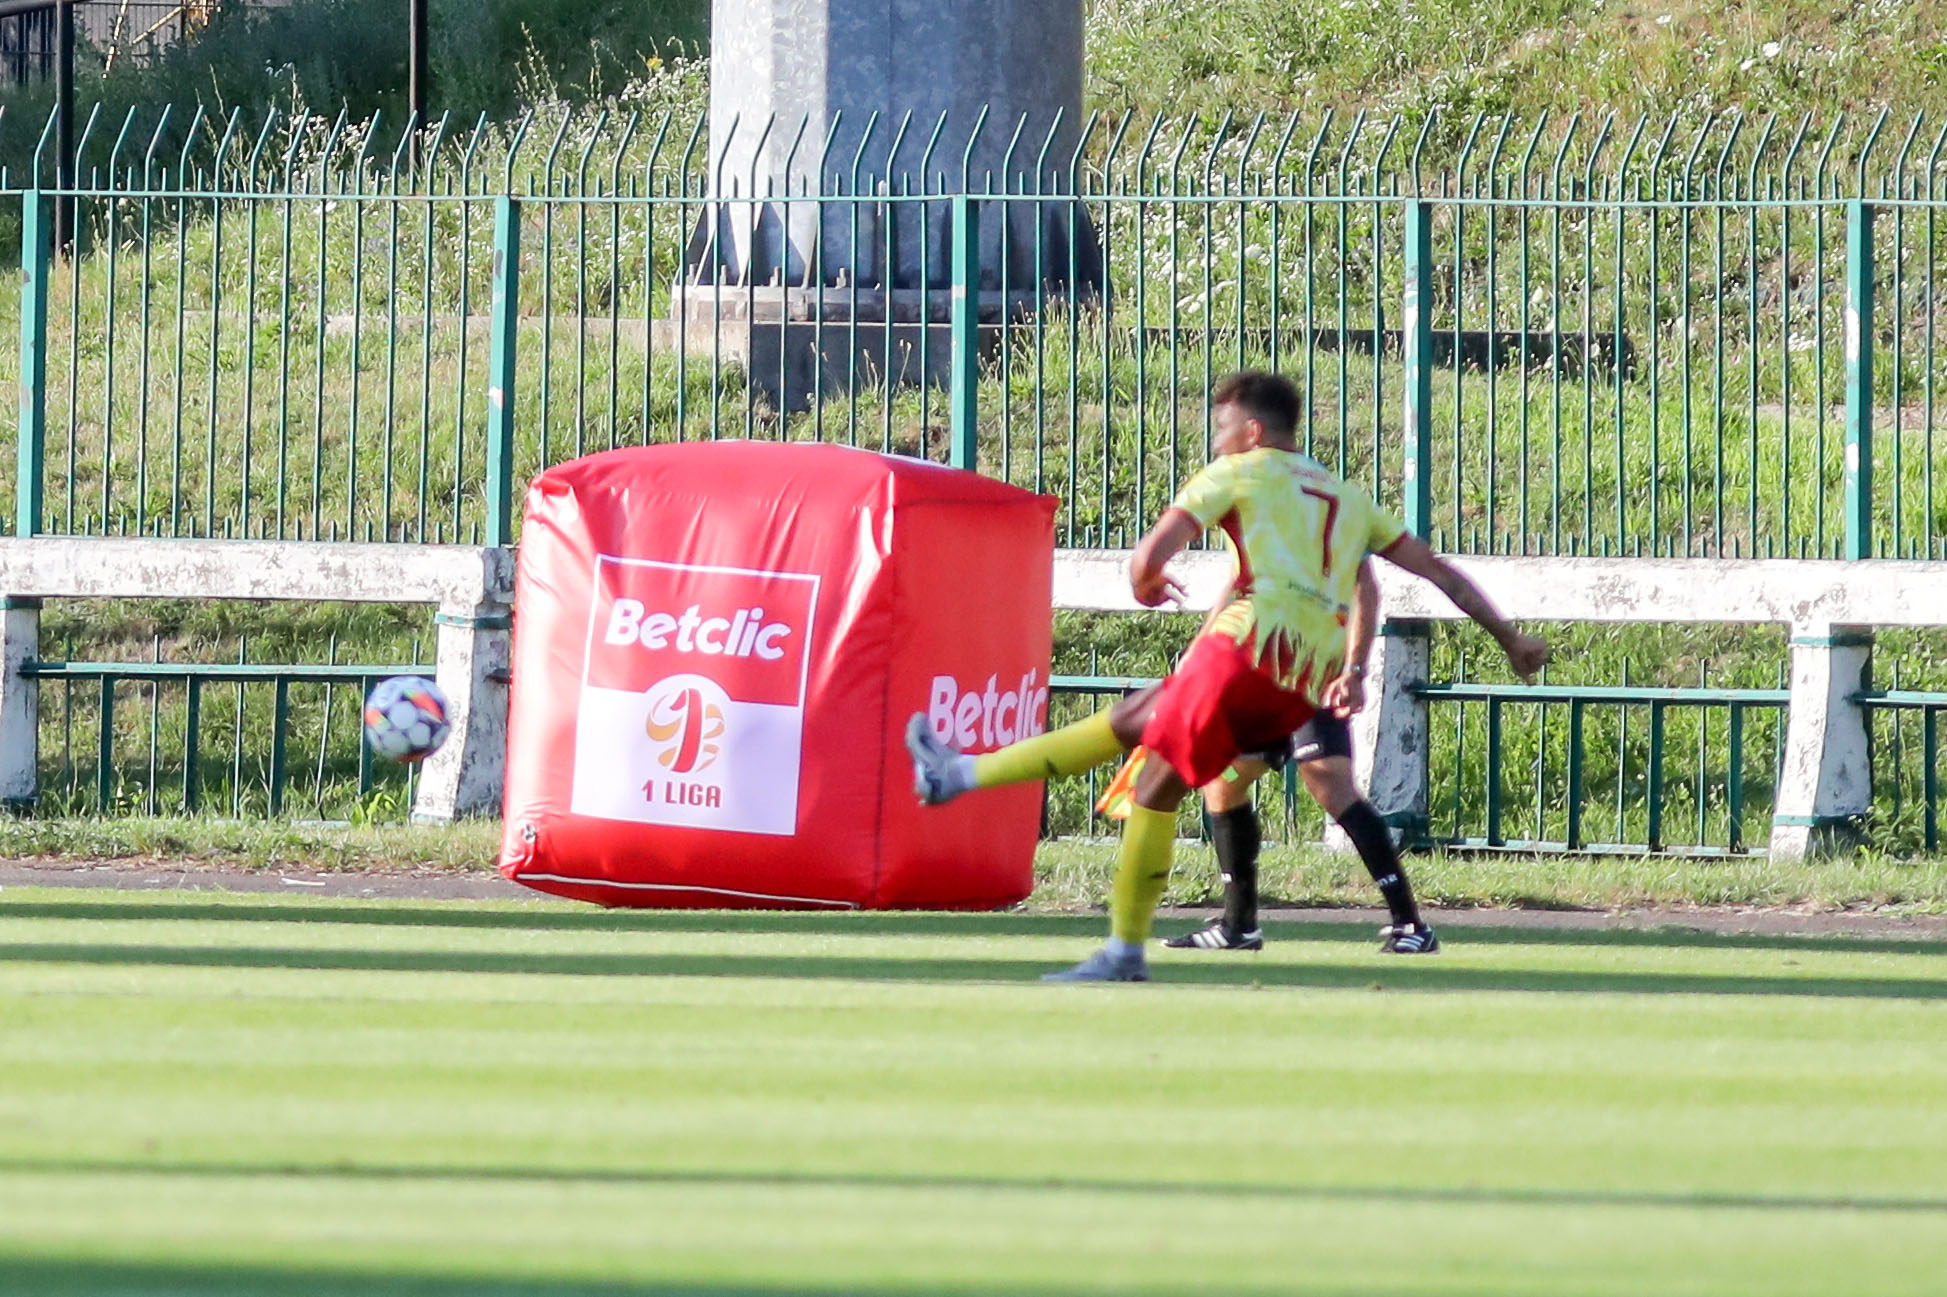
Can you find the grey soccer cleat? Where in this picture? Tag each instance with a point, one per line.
(1104, 967)
(934, 764)
(1408, 939)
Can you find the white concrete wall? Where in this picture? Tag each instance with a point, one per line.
(471, 586)
(1829, 606)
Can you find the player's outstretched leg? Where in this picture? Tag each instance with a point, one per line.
(941, 774)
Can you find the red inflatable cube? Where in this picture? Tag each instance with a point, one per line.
(716, 648)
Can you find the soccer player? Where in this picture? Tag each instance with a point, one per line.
(1255, 675)
(1322, 751)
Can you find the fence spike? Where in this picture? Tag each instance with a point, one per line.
(514, 144)
(1899, 161)
(1318, 143)
(1385, 146)
(1866, 149)
(1277, 159)
(1250, 145)
(926, 155)
(628, 134)
(1419, 147)
(1561, 153)
(1351, 142)
(1460, 164)
(973, 141)
(1075, 158)
(1526, 165)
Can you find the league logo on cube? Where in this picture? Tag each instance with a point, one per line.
(692, 696)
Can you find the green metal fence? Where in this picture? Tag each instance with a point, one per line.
(1573, 337)
(1682, 336)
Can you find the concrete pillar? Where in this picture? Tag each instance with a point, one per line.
(20, 637)
(467, 774)
(868, 97)
(1390, 736)
(879, 98)
(1826, 783)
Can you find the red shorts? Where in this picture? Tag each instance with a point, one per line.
(1217, 705)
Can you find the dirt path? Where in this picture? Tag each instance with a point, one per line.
(153, 876)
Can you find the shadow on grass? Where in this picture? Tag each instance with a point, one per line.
(1447, 1195)
(92, 1278)
(1393, 975)
(904, 924)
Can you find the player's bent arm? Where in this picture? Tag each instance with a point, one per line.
(1526, 653)
(1364, 622)
(1345, 695)
(1148, 577)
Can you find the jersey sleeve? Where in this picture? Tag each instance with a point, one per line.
(1383, 526)
(1210, 493)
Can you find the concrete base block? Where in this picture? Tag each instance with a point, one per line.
(797, 347)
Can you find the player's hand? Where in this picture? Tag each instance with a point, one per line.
(1157, 590)
(1345, 695)
(1527, 654)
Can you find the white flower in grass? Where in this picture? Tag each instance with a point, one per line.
(1770, 49)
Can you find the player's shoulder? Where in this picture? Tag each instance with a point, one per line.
(1315, 475)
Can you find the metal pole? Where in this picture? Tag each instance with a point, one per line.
(419, 76)
(35, 265)
(963, 398)
(1859, 380)
(505, 317)
(64, 124)
(1417, 468)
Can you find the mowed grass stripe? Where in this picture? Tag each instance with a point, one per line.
(779, 1106)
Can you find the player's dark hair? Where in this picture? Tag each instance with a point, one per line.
(1271, 399)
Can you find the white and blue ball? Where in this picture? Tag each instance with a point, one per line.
(406, 718)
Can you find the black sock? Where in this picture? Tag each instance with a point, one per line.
(1375, 843)
(1235, 836)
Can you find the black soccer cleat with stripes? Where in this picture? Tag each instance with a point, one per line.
(1408, 939)
(1215, 936)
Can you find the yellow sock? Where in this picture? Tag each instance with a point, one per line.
(1067, 751)
(1141, 870)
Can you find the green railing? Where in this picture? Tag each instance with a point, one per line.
(1573, 337)
(236, 739)
(1906, 788)
(1680, 770)
(1607, 769)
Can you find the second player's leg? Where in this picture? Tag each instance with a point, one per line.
(1329, 780)
(1235, 836)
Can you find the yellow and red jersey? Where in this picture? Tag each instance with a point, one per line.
(1297, 534)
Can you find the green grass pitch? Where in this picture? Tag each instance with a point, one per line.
(229, 1095)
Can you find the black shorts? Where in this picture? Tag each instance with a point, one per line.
(1324, 735)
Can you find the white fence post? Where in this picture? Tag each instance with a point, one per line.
(20, 635)
(1827, 779)
(1389, 736)
(466, 775)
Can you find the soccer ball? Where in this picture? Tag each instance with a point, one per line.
(405, 718)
